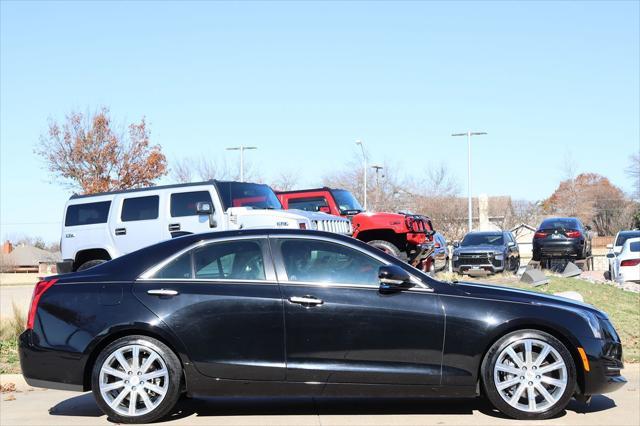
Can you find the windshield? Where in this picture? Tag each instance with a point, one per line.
(559, 223)
(242, 194)
(346, 202)
(483, 240)
(624, 236)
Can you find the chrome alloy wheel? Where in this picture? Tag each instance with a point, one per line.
(133, 380)
(530, 375)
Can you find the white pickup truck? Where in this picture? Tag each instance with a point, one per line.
(100, 227)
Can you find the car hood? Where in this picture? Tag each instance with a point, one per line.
(317, 215)
(508, 294)
(478, 249)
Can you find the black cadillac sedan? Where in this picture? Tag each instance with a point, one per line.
(270, 312)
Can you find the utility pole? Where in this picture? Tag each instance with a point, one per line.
(241, 148)
(364, 167)
(377, 168)
(468, 134)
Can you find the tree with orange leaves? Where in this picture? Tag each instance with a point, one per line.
(595, 200)
(90, 156)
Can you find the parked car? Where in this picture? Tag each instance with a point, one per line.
(103, 226)
(562, 237)
(626, 264)
(292, 312)
(616, 247)
(486, 251)
(403, 235)
(441, 252)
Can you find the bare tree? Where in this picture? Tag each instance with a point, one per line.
(286, 180)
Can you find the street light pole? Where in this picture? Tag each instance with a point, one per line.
(241, 148)
(468, 134)
(364, 167)
(377, 168)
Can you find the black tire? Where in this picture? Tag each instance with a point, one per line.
(489, 385)
(173, 390)
(536, 257)
(387, 247)
(90, 264)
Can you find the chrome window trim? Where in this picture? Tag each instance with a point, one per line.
(148, 274)
(414, 279)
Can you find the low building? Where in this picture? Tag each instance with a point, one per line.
(523, 234)
(26, 258)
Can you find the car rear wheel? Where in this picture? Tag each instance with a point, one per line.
(529, 375)
(91, 264)
(136, 379)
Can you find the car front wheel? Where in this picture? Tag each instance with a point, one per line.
(136, 379)
(529, 375)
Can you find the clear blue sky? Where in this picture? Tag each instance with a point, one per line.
(303, 80)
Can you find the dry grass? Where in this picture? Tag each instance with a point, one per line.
(10, 329)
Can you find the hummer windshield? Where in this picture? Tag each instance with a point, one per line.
(482, 240)
(346, 202)
(243, 194)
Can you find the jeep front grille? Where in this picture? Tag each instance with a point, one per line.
(336, 226)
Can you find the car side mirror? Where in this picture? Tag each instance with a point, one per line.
(611, 255)
(324, 209)
(511, 244)
(610, 246)
(456, 244)
(393, 277)
(205, 207)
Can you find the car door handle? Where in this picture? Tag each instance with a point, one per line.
(121, 231)
(306, 300)
(174, 227)
(162, 292)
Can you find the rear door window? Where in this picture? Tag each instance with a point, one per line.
(87, 213)
(184, 203)
(140, 208)
(235, 260)
(310, 204)
(635, 246)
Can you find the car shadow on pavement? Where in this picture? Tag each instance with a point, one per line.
(85, 406)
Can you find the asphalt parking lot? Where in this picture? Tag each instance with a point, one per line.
(30, 406)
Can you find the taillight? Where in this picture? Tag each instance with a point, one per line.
(38, 291)
(540, 234)
(437, 245)
(303, 226)
(630, 262)
(573, 234)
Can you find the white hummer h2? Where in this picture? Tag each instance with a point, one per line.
(100, 227)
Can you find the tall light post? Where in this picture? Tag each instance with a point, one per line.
(241, 148)
(468, 134)
(364, 167)
(377, 168)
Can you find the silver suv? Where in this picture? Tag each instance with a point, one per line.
(486, 252)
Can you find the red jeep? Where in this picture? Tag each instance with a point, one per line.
(406, 236)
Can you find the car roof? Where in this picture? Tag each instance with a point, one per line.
(486, 232)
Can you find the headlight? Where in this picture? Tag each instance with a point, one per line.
(593, 322)
(498, 254)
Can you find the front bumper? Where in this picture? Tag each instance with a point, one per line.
(605, 365)
(466, 265)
